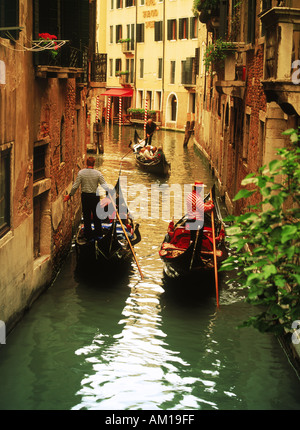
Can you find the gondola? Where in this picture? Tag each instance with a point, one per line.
(112, 247)
(183, 257)
(158, 166)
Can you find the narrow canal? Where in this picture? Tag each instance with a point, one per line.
(122, 343)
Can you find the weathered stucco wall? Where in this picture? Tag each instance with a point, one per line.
(37, 111)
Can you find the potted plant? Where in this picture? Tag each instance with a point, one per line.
(49, 40)
(216, 53)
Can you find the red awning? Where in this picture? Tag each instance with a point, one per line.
(118, 92)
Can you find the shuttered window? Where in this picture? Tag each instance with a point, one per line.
(118, 33)
(193, 27)
(141, 68)
(140, 33)
(183, 28)
(160, 68)
(9, 17)
(251, 21)
(172, 29)
(172, 72)
(118, 65)
(158, 31)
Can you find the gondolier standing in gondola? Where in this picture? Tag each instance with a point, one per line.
(150, 129)
(196, 208)
(89, 179)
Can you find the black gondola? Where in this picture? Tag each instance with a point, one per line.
(158, 166)
(112, 247)
(183, 257)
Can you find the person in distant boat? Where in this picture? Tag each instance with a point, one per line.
(148, 152)
(89, 179)
(196, 209)
(150, 129)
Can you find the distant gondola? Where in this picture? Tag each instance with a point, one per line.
(183, 257)
(158, 166)
(112, 248)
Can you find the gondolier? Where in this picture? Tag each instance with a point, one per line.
(196, 208)
(89, 179)
(150, 129)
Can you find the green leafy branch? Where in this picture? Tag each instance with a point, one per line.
(266, 241)
(216, 53)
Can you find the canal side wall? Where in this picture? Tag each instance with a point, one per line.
(43, 139)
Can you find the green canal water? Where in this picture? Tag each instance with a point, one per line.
(121, 343)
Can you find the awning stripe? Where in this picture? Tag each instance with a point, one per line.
(118, 92)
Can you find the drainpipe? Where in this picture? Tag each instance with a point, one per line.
(135, 50)
(163, 60)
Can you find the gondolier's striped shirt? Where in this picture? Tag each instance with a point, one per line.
(195, 206)
(89, 179)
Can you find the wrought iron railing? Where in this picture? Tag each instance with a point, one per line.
(66, 56)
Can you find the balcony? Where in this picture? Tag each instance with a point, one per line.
(127, 47)
(231, 78)
(69, 62)
(281, 69)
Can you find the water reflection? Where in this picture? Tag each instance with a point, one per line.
(122, 343)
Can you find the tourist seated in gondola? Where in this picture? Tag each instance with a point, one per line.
(148, 152)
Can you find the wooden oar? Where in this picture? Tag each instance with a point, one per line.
(195, 245)
(126, 235)
(215, 252)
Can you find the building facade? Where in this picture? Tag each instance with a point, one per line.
(151, 47)
(246, 101)
(43, 139)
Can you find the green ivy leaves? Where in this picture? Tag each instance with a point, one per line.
(266, 241)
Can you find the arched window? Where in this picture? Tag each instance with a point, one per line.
(172, 107)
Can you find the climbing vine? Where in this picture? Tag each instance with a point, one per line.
(266, 241)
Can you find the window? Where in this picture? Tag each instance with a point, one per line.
(188, 71)
(118, 65)
(130, 68)
(110, 67)
(141, 68)
(160, 68)
(129, 3)
(130, 36)
(111, 34)
(118, 33)
(111, 4)
(193, 27)
(4, 191)
(183, 28)
(140, 32)
(142, 2)
(172, 72)
(158, 31)
(9, 17)
(172, 29)
(251, 21)
(39, 162)
(119, 4)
